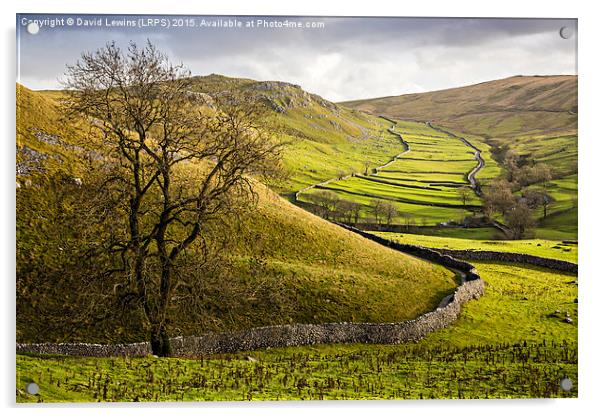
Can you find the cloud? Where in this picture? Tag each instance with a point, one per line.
(349, 58)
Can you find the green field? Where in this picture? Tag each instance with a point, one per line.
(309, 161)
(509, 343)
(422, 183)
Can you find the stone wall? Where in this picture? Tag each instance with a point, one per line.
(448, 311)
(285, 335)
(429, 254)
(86, 350)
(441, 255)
(486, 255)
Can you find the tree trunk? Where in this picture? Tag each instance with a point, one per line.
(160, 343)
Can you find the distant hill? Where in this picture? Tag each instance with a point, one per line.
(510, 106)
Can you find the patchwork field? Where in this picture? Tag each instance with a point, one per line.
(423, 183)
(533, 116)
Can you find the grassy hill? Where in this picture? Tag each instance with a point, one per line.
(285, 264)
(326, 140)
(503, 107)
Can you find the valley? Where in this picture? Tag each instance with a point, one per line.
(414, 169)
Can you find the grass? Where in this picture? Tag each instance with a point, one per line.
(503, 108)
(560, 225)
(518, 305)
(436, 161)
(299, 268)
(310, 161)
(309, 374)
(509, 343)
(485, 233)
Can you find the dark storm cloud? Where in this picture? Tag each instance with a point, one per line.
(347, 58)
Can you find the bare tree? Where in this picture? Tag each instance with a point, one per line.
(327, 203)
(464, 194)
(519, 219)
(408, 221)
(366, 167)
(511, 162)
(356, 210)
(498, 198)
(171, 166)
(376, 206)
(389, 212)
(535, 199)
(543, 174)
(345, 211)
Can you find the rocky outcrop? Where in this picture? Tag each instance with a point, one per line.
(29, 161)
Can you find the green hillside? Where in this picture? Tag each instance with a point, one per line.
(284, 264)
(326, 140)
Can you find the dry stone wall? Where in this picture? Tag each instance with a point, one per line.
(284, 335)
(448, 311)
(486, 255)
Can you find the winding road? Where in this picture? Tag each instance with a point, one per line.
(471, 176)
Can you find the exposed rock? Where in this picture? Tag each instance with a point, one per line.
(334, 124)
(29, 160)
(47, 138)
(201, 98)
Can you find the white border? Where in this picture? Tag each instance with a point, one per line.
(590, 146)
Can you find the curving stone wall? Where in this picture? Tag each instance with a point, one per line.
(441, 255)
(284, 335)
(425, 253)
(448, 311)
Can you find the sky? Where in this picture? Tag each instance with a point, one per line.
(339, 58)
